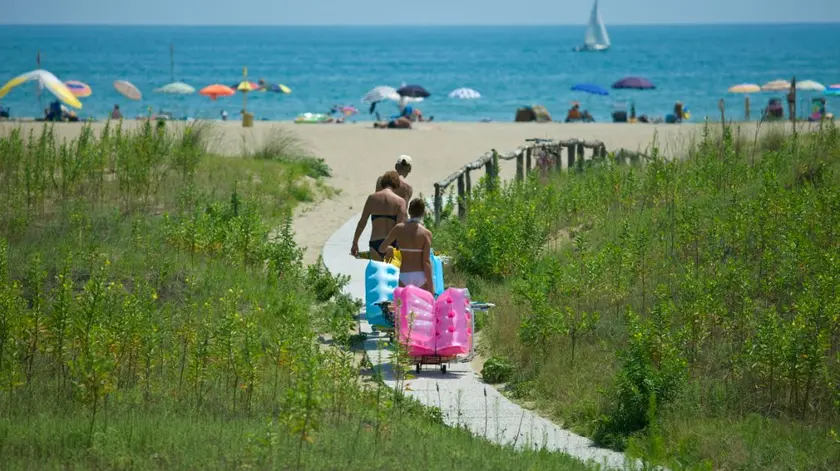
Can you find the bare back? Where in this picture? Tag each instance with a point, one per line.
(414, 242)
(385, 208)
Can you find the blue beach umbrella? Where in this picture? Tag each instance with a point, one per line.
(590, 88)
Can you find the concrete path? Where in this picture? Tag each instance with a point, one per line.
(460, 394)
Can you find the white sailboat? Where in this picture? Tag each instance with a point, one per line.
(596, 38)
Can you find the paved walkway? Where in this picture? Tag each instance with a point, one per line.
(460, 394)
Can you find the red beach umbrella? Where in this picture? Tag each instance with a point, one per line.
(216, 90)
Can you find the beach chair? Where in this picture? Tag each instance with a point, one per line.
(774, 110)
(619, 112)
(817, 109)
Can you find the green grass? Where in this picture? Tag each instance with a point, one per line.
(685, 310)
(155, 314)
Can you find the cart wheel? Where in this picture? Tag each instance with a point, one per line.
(443, 369)
(417, 367)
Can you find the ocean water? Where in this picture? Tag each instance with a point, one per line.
(509, 66)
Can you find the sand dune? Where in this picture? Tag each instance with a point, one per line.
(357, 154)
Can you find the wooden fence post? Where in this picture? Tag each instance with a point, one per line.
(570, 156)
(468, 181)
(488, 170)
(462, 198)
(438, 204)
(528, 161)
(520, 171)
(581, 153)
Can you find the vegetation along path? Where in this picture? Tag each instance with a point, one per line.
(464, 400)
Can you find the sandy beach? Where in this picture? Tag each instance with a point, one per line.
(357, 154)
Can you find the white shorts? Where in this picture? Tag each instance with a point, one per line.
(416, 278)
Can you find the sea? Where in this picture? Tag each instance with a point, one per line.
(511, 66)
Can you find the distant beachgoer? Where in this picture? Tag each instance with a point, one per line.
(791, 100)
(679, 114)
(415, 244)
(573, 114)
(224, 115)
(400, 123)
(587, 117)
(403, 168)
(385, 208)
(116, 113)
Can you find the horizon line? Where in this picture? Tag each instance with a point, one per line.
(442, 25)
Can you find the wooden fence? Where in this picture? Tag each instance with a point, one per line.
(575, 151)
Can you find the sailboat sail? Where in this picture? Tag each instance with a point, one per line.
(596, 32)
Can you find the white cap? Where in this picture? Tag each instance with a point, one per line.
(404, 160)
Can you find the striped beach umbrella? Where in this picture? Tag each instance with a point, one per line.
(128, 90)
(246, 86)
(776, 86)
(80, 89)
(381, 93)
(464, 94)
(46, 80)
(745, 88)
(276, 88)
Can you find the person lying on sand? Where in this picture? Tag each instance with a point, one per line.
(403, 168)
(400, 123)
(415, 244)
(385, 209)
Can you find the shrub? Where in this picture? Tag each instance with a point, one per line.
(496, 370)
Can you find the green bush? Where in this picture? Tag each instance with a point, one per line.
(704, 285)
(496, 370)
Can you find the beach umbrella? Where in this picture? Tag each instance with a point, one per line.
(590, 88)
(776, 86)
(464, 94)
(836, 86)
(636, 83)
(413, 91)
(810, 85)
(216, 90)
(79, 89)
(745, 88)
(245, 86)
(832, 92)
(46, 80)
(128, 90)
(380, 93)
(176, 88)
(276, 88)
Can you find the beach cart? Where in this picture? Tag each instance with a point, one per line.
(442, 361)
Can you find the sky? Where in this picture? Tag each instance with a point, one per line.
(421, 12)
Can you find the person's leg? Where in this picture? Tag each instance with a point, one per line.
(375, 254)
